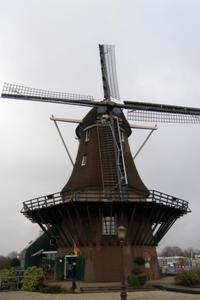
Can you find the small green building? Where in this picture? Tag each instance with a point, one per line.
(42, 252)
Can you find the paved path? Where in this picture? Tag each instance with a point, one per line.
(152, 295)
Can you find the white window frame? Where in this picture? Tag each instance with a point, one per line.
(87, 136)
(122, 137)
(84, 160)
(109, 225)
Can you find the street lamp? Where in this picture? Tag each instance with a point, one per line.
(121, 232)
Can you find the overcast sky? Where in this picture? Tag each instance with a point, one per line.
(53, 44)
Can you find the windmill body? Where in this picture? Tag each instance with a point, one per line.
(105, 190)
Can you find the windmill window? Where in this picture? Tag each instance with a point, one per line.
(87, 136)
(122, 137)
(109, 226)
(84, 160)
(76, 196)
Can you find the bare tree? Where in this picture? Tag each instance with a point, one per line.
(172, 251)
(4, 262)
(177, 251)
(13, 254)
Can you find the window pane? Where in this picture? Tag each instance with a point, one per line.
(109, 225)
(122, 137)
(87, 135)
(84, 160)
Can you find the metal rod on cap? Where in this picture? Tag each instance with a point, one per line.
(65, 120)
(53, 119)
(143, 143)
(136, 126)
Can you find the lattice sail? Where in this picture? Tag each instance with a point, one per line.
(109, 73)
(22, 92)
(163, 117)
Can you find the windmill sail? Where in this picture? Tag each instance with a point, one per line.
(153, 112)
(137, 111)
(162, 117)
(15, 91)
(109, 73)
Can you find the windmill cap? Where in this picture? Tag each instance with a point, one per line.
(98, 112)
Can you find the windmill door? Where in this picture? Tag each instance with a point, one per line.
(74, 267)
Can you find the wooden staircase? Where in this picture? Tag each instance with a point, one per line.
(111, 159)
(107, 154)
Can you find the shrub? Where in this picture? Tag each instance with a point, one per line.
(4, 262)
(54, 289)
(142, 278)
(133, 280)
(137, 276)
(197, 270)
(136, 271)
(33, 279)
(139, 260)
(188, 277)
(7, 277)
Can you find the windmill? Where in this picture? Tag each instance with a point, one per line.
(105, 190)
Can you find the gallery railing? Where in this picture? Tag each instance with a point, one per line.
(104, 196)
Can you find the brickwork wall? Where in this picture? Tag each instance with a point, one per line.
(102, 263)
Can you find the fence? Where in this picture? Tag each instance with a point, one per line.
(12, 283)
